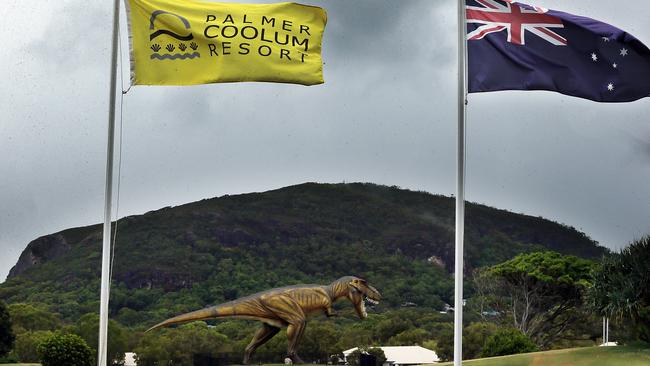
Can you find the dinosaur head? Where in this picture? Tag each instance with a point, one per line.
(359, 291)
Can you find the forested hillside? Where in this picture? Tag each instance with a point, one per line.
(182, 258)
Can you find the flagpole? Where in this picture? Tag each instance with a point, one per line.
(108, 197)
(460, 185)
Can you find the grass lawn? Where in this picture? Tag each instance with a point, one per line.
(592, 356)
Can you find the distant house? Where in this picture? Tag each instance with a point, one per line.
(404, 355)
(129, 359)
(449, 309)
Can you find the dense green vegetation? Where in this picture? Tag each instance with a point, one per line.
(622, 287)
(65, 350)
(180, 259)
(474, 337)
(542, 293)
(7, 336)
(176, 259)
(507, 342)
(354, 358)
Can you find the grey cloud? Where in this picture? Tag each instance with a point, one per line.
(642, 146)
(386, 114)
(76, 37)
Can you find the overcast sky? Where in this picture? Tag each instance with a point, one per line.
(386, 114)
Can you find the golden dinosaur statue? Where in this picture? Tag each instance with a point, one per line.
(286, 306)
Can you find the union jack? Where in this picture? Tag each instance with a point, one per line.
(516, 19)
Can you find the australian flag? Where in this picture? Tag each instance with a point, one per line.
(513, 46)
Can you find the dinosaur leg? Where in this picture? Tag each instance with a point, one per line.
(261, 336)
(287, 309)
(294, 334)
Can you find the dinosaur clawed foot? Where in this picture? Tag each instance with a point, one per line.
(293, 360)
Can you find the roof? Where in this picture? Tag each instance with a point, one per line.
(404, 354)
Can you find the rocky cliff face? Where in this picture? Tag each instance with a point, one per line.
(39, 251)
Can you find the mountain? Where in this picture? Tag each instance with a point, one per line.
(182, 258)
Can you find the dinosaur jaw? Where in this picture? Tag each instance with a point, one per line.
(360, 307)
(360, 292)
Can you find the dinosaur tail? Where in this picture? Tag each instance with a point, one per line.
(207, 313)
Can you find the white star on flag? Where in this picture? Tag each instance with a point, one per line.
(594, 57)
(610, 87)
(615, 65)
(623, 52)
(606, 39)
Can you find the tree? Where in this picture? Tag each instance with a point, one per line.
(179, 345)
(621, 286)
(507, 342)
(6, 330)
(27, 343)
(411, 337)
(65, 350)
(474, 337)
(379, 354)
(319, 342)
(353, 358)
(354, 336)
(542, 291)
(153, 350)
(88, 329)
(32, 317)
(194, 338)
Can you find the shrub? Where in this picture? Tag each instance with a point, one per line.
(65, 350)
(507, 341)
(474, 337)
(26, 347)
(354, 357)
(9, 358)
(379, 353)
(445, 344)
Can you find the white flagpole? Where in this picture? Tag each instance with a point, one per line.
(108, 197)
(460, 185)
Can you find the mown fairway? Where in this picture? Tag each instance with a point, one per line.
(593, 356)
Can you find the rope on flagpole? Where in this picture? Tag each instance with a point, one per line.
(119, 159)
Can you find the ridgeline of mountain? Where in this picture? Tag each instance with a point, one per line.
(182, 258)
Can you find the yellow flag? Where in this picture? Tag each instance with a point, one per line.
(186, 42)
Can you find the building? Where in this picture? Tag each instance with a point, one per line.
(129, 359)
(404, 355)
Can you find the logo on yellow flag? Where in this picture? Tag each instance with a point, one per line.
(193, 42)
(159, 53)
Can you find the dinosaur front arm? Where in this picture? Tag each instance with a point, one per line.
(330, 312)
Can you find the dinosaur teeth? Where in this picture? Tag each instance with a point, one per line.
(374, 302)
